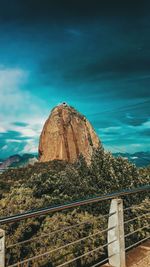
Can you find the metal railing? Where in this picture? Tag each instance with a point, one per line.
(91, 248)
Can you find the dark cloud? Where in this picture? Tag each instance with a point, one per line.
(12, 142)
(136, 121)
(118, 65)
(129, 79)
(129, 115)
(10, 135)
(19, 123)
(9, 143)
(93, 54)
(103, 122)
(142, 108)
(145, 132)
(15, 135)
(30, 10)
(106, 54)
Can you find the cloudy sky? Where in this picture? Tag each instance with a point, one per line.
(95, 55)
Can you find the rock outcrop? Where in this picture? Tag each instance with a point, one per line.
(67, 134)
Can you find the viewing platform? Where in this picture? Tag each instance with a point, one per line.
(120, 241)
(137, 257)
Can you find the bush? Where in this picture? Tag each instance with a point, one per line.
(58, 182)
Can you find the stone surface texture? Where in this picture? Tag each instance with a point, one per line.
(67, 134)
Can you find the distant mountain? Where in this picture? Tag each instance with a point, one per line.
(140, 159)
(17, 161)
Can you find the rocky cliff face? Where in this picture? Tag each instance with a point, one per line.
(65, 135)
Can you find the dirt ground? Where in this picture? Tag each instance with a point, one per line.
(138, 257)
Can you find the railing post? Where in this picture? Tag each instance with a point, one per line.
(116, 249)
(2, 248)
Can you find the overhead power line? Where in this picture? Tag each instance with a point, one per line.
(124, 108)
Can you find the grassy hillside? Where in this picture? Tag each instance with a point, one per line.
(47, 184)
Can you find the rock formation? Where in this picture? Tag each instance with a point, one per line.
(65, 135)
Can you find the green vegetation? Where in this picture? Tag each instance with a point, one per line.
(57, 182)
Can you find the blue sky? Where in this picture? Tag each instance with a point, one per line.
(92, 54)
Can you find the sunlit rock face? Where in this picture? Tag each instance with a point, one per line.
(66, 135)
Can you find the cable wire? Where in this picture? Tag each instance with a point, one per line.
(103, 261)
(53, 232)
(137, 230)
(144, 239)
(64, 246)
(135, 218)
(85, 254)
(46, 235)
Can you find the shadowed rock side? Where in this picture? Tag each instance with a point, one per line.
(65, 135)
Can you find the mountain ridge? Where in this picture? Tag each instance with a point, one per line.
(17, 161)
(140, 159)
